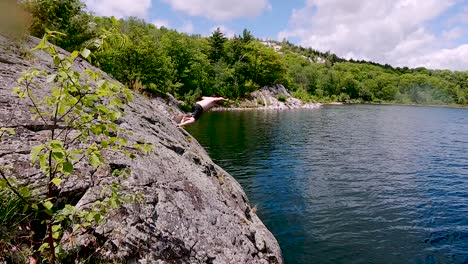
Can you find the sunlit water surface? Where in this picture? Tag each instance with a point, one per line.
(351, 184)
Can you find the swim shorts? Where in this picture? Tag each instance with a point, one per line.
(197, 111)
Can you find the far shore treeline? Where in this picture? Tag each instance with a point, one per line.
(158, 61)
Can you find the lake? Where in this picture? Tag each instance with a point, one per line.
(351, 183)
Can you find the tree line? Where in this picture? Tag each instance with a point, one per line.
(160, 61)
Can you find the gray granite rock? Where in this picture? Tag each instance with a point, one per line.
(192, 210)
(267, 98)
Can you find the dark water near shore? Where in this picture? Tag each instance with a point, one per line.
(351, 184)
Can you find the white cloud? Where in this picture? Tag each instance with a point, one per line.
(454, 59)
(453, 33)
(160, 23)
(384, 31)
(220, 10)
(187, 27)
(119, 8)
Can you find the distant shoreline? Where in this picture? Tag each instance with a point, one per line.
(320, 105)
(418, 105)
(305, 106)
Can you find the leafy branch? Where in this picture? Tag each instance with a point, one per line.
(80, 111)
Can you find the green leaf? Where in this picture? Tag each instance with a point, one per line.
(16, 90)
(48, 205)
(96, 130)
(67, 167)
(56, 143)
(76, 227)
(94, 160)
(112, 127)
(35, 152)
(43, 247)
(85, 53)
(55, 92)
(25, 208)
(57, 155)
(75, 54)
(43, 162)
(147, 148)
(57, 181)
(68, 209)
(62, 109)
(24, 191)
(55, 235)
(97, 217)
(56, 228)
(56, 60)
(89, 217)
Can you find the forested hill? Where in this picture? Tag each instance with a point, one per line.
(160, 61)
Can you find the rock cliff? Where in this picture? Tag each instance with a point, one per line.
(192, 212)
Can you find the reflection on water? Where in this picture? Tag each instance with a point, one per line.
(351, 184)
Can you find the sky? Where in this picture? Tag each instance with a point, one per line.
(413, 33)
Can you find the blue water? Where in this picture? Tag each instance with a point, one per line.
(351, 184)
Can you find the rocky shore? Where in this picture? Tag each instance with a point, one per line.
(275, 97)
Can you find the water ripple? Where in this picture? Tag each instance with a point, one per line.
(352, 184)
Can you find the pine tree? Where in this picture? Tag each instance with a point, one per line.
(217, 41)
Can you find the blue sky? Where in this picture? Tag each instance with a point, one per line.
(266, 24)
(429, 33)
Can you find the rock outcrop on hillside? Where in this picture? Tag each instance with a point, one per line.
(275, 97)
(192, 212)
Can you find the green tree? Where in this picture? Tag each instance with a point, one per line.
(139, 62)
(217, 41)
(192, 66)
(66, 16)
(265, 65)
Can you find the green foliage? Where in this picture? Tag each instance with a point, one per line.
(303, 95)
(189, 99)
(81, 111)
(191, 66)
(139, 60)
(66, 16)
(5, 131)
(223, 75)
(165, 61)
(14, 216)
(282, 97)
(217, 41)
(265, 66)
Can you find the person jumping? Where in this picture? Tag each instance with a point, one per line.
(201, 106)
